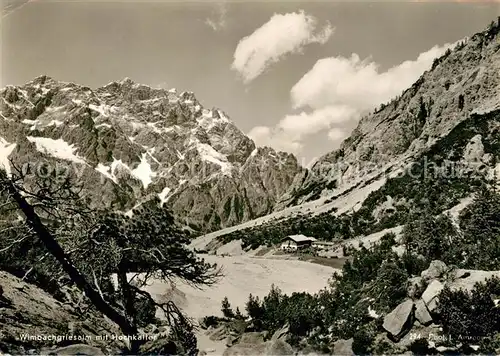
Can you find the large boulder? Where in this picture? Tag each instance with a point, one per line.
(77, 349)
(430, 296)
(398, 322)
(218, 334)
(253, 338)
(418, 332)
(414, 287)
(421, 313)
(343, 347)
(31, 311)
(279, 347)
(3, 301)
(271, 347)
(281, 334)
(436, 270)
(160, 345)
(474, 151)
(245, 350)
(252, 343)
(231, 340)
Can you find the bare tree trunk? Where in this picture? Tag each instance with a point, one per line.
(128, 301)
(55, 249)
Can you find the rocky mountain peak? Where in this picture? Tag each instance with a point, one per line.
(463, 82)
(139, 142)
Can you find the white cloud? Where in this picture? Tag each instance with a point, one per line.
(358, 83)
(289, 133)
(281, 35)
(336, 92)
(275, 138)
(304, 124)
(218, 21)
(336, 134)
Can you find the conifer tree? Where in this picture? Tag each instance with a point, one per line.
(89, 246)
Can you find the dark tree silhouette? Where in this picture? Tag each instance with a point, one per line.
(90, 246)
(226, 309)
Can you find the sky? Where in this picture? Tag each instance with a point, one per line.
(294, 75)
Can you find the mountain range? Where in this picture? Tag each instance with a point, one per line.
(129, 143)
(429, 148)
(463, 82)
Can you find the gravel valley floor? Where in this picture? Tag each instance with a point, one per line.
(244, 275)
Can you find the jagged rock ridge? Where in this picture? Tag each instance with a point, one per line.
(128, 143)
(430, 148)
(464, 81)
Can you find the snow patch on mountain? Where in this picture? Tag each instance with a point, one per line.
(56, 148)
(163, 195)
(103, 125)
(180, 155)
(143, 172)
(111, 171)
(372, 312)
(106, 171)
(102, 109)
(39, 124)
(5, 150)
(118, 163)
(156, 143)
(54, 109)
(156, 129)
(33, 123)
(211, 118)
(208, 153)
(494, 175)
(56, 123)
(150, 152)
(206, 120)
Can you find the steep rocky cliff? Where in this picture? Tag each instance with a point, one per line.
(464, 81)
(128, 143)
(431, 148)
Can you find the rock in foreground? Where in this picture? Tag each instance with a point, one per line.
(29, 317)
